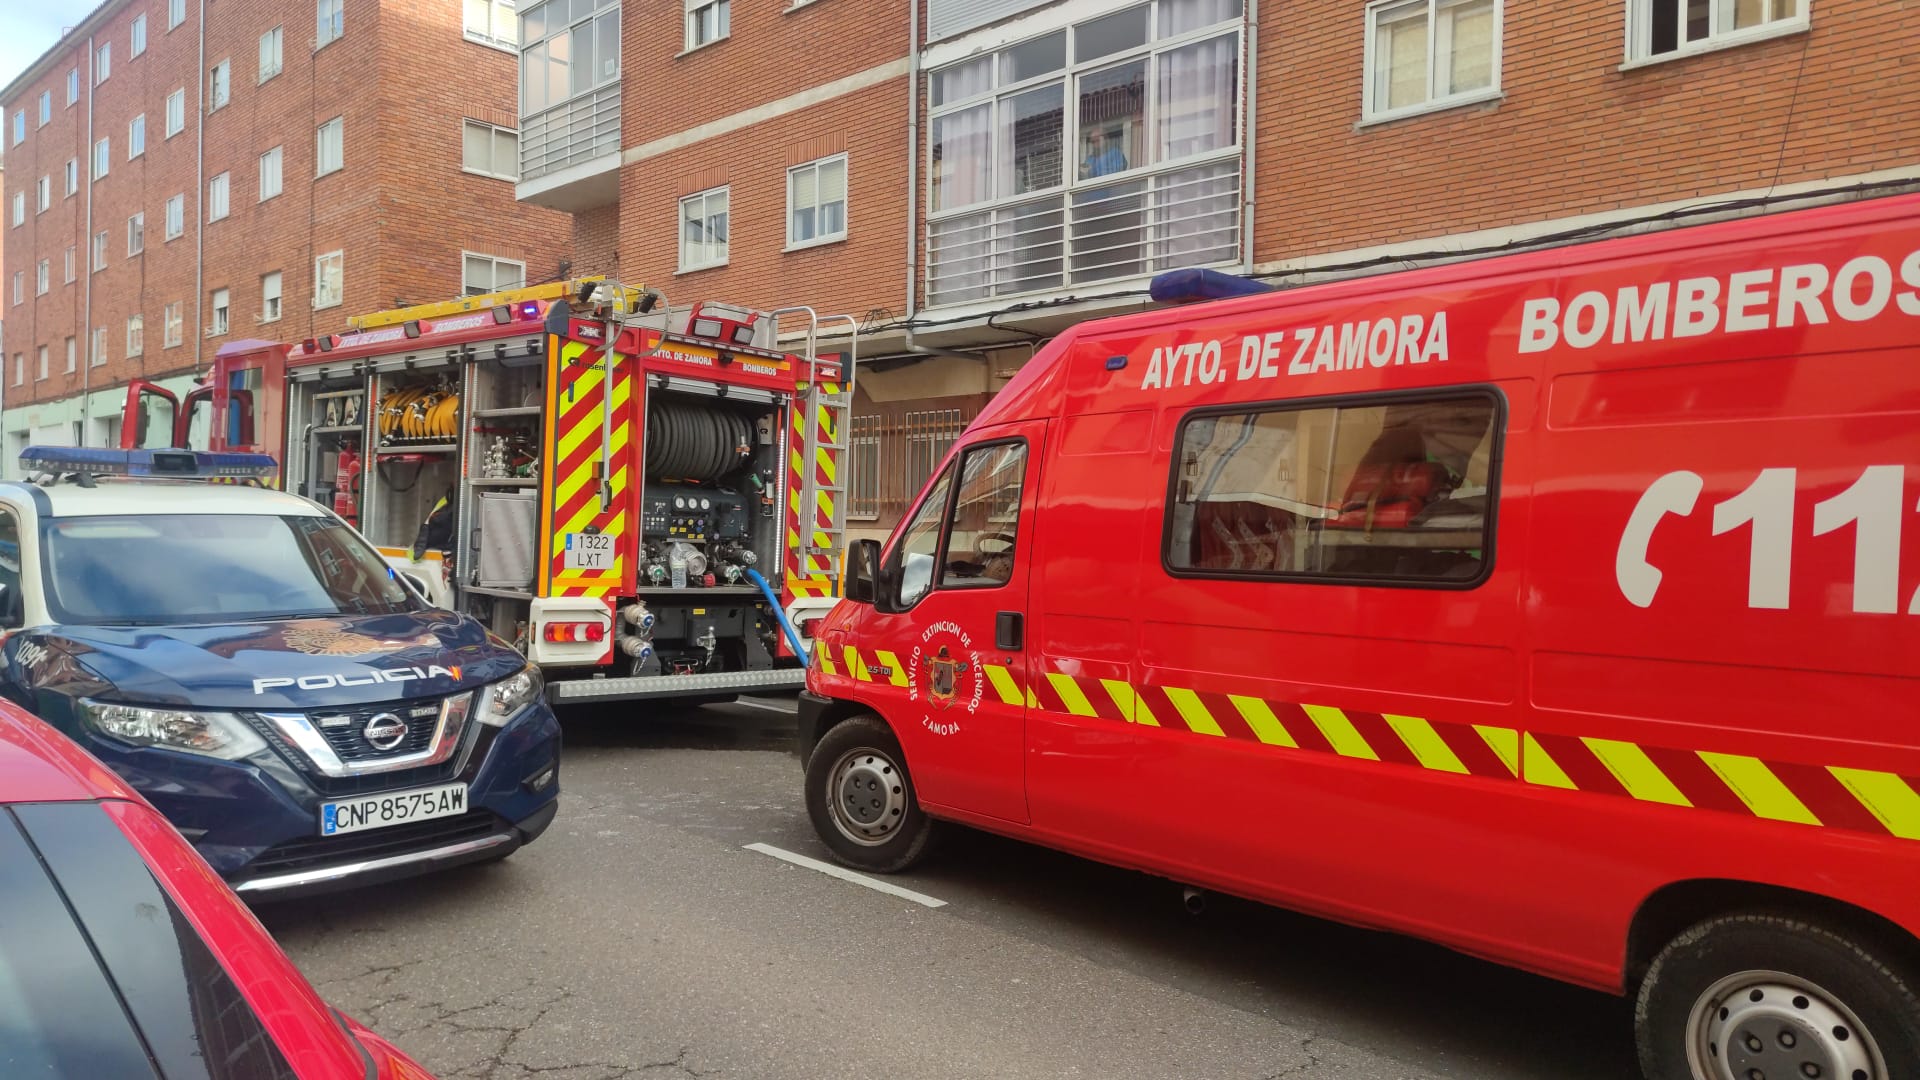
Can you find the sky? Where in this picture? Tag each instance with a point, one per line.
(30, 27)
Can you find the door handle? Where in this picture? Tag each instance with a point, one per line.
(1008, 630)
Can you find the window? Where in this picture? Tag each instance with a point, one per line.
(330, 149)
(706, 22)
(73, 175)
(328, 283)
(71, 253)
(73, 85)
(100, 250)
(176, 13)
(817, 202)
(19, 208)
(270, 174)
(46, 108)
(19, 127)
(562, 59)
(137, 233)
(270, 54)
(137, 136)
(19, 286)
(136, 334)
(330, 22)
(43, 194)
(176, 216)
(42, 277)
(71, 356)
(102, 63)
(102, 157)
(490, 151)
(920, 544)
(1425, 54)
(99, 354)
(19, 368)
(492, 22)
(1401, 490)
(219, 85)
(218, 325)
(703, 230)
(270, 297)
(484, 274)
(986, 515)
(176, 112)
(170, 325)
(1107, 149)
(1658, 28)
(217, 197)
(139, 35)
(40, 372)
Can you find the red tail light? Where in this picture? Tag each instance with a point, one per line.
(574, 632)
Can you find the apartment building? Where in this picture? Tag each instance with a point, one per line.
(969, 177)
(185, 174)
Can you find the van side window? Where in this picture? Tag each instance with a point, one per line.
(11, 603)
(920, 544)
(986, 517)
(1397, 490)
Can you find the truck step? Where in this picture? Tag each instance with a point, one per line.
(659, 686)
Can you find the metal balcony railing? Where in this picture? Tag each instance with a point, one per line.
(579, 130)
(1133, 225)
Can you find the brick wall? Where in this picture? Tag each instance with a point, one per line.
(1573, 134)
(401, 210)
(863, 272)
(596, 242)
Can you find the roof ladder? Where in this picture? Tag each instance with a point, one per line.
(823, 502)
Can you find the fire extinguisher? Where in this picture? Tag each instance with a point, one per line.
(346, 486)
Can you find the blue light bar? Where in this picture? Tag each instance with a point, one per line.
(174, 464)
(1193, 286)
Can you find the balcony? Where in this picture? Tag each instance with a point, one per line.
(570, 153)
(1098, 230)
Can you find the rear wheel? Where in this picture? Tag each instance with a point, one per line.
(861, 798)
(1767, 997)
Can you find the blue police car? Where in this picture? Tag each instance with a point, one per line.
(252, 666)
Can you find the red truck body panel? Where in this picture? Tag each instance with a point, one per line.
(1686, 651)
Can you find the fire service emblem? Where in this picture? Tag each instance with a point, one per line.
(945, 673)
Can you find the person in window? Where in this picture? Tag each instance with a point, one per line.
(1104, 156)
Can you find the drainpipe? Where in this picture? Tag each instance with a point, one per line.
(86, 307)
(1251, 72)
(913, 187)
(199, 220)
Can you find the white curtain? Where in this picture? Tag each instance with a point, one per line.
(960, 250)
(1180, 16)
(1197, 93)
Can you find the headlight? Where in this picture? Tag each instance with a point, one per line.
(501, 701)
(215, 734)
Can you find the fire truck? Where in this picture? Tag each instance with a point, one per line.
(643, 498)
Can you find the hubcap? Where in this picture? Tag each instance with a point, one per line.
(868, 796)
(1767, 1025)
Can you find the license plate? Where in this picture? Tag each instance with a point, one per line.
(589, 551)
(393, 808)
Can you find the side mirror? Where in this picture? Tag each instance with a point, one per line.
(419, 585)
(863, 561)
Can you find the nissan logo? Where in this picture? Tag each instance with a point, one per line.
(385, 731)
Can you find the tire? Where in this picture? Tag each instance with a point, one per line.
(861, 798)
(1772, 996)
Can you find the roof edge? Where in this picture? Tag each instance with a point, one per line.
(43, 64)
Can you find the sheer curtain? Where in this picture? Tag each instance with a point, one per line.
(960, 249)
(1196, 210)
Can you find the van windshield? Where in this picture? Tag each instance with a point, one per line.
(162, 569)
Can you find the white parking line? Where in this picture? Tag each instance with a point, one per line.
(848, 875)
(769, 706)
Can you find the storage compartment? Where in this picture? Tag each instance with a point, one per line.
(508, 524)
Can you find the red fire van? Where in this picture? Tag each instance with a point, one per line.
(1562, 608)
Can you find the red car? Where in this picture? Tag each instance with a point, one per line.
(122, 954)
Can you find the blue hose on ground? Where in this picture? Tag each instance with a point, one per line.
(773, 599)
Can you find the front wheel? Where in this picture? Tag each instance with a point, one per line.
(1767, 997)
(861, 798)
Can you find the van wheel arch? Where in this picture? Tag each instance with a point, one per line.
(1674, 908)
(815, 728)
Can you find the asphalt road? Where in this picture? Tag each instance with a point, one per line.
(641, 938)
